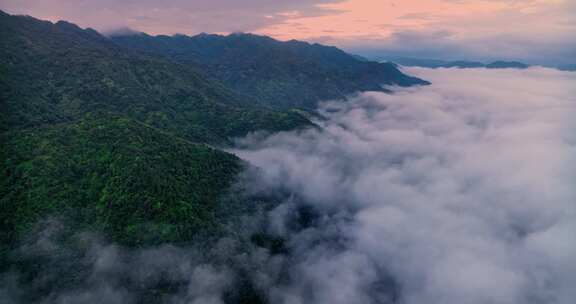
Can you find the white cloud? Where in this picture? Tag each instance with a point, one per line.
(460, 192)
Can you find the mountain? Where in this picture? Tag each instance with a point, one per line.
(463, 64)
(112, 174)
(114, 138)
(506, 65)
(119, 135)
(58, 72)
(97, 136)
(567, 67)
(280, 74)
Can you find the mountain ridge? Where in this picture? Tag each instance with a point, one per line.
(89, 128)
(106, 131)
(281, 74)
(463, 64)
(101, 139)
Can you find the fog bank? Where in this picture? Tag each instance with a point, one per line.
(459, 192)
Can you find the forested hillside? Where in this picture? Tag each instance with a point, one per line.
(113, 174)
(117, 135)
(58, 72)
(280, 74)
(113, 138)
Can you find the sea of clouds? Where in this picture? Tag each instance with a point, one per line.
(458, 192)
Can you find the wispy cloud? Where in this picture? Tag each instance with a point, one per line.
(169, 17)
(537, 31)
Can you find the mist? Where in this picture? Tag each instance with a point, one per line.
(458, 192)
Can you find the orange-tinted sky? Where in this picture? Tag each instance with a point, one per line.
(377, 19)
(536, 30)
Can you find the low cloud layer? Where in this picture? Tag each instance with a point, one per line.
(460, 192)
(457, 192)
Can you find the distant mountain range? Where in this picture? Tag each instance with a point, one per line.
(567, 67)
(463, 64)
(118, 134)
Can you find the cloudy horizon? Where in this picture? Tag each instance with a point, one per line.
(535, 31)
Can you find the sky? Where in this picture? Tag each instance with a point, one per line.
(537, 31)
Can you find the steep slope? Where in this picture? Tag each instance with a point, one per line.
(58, 72)
(112, 174)
(112, 138)
(280, 74)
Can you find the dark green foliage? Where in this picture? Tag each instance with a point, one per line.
(58, 72)
(113, 133)
(280, 74)
(136, 183)
(117, 140)
(113, 138)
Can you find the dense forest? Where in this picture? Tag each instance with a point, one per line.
(89, 125)
(280, 74)
(119, 135)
